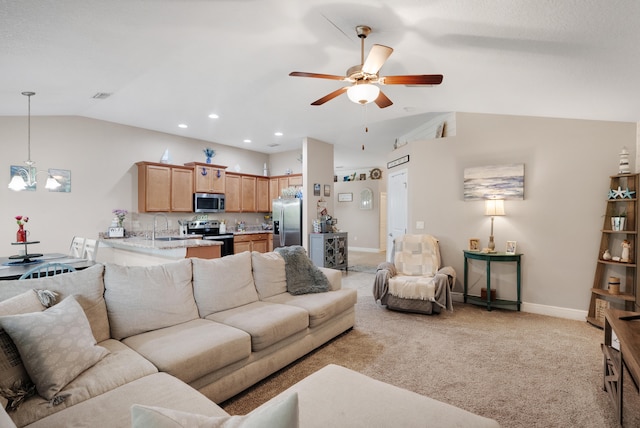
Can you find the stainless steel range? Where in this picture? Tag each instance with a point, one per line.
(210, 229)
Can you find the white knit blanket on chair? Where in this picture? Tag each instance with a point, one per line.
(413, 287)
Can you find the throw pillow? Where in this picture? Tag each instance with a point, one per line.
(269, 274)
(55, 345)
(303, 277)
(282, 414)
(12, 372)
(146, 298)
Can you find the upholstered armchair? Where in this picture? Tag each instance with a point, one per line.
(415, 282)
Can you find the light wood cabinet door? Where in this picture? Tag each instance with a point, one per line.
(274, 191)
(181, 189)
(154, 188)
(260, 246)
(263, 202)
(232, 194)
(248, 192)
(208, 178)
(283, 183)
(240, 247)
(164, 188)
(295, 180)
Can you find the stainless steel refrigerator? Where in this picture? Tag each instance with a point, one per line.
(287, 222)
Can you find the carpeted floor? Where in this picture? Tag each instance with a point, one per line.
(523, 370)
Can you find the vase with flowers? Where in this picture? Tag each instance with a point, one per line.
(209, 153)
(21, 234)
(120, 215)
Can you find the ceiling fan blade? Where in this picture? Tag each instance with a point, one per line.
(316, 75)
(383, 101)
(417, 79)
(330, 96)
(376, 58)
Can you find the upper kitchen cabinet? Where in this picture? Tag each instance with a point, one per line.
(248, 192)
(278, 183)
(263, 201)
(164, 188)
(208, 178)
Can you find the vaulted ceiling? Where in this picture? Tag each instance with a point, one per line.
(171, 62)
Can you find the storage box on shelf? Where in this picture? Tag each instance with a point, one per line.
(619, 243)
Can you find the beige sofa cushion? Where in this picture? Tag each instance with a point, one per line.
(55, 345)
(121, 366)
(283, 414)
(86, 285)
(267, 323)
(269, 274)
(145, 298)
(11, 368)
(112, 409)
(225, 283)
(193, 349)
(320, 306)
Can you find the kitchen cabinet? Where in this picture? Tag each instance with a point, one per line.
(263, 202)
(232, 195)
(251, 242)
(278, 183)
(208, 178)
(248, 194)
(164, 188)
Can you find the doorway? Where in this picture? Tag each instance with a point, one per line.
(397, 213)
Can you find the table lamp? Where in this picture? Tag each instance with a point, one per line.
(493, 207)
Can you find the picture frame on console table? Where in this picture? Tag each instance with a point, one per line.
(511, 247)
(474, 244)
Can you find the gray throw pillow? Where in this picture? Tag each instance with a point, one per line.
(303, 277)
(55, 345)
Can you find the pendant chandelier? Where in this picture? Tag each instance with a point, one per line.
(26, 177)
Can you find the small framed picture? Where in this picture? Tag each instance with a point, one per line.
(511, 247)
(474, 244)
(316, 189)
(345, 197)
(363, 176)
(327, 190)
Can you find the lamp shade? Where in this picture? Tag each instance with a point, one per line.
(494, 207)
(363, 93)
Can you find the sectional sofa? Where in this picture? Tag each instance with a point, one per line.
(137, 346)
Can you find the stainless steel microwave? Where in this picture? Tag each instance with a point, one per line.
(208, 202)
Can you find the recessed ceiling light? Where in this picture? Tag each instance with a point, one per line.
(246, 141)
(278, 134)
(213, 116)
(182, 125)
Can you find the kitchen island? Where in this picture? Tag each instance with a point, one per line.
(140, 251)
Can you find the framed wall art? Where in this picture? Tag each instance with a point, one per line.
(494, 182)
(327, 190)
(345, 197)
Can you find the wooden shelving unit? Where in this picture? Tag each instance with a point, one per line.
(611, 240)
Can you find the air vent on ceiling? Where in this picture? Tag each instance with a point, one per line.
(273, 145)
(101, 95)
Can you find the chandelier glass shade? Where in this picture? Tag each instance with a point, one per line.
(363, 93)
(26, 176)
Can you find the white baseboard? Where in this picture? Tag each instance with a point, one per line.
(365, 250)
(534, 308)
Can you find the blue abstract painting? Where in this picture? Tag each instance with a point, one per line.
(494, 182)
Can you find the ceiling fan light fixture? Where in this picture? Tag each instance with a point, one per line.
(363, 93)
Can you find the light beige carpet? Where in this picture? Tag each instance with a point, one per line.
(523, 370)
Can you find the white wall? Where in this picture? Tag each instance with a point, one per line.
(557, 225)
(318, 166)
(101, 157)
(362, 225)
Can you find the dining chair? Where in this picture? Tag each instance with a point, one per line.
(77, 247)
(47, 269)
(90, 249)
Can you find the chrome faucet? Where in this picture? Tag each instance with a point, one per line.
(166, 219)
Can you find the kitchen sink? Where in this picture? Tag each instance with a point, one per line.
(173, 238)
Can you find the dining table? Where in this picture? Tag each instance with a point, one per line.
(10, 268)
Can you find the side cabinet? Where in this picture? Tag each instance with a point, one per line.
(329, 249)
(164, 188)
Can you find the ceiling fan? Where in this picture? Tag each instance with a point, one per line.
(364, 77)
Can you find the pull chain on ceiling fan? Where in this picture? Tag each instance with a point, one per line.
(364, 78)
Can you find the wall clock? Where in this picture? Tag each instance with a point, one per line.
(376, 173)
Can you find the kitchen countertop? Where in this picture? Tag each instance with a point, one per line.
(151, 244)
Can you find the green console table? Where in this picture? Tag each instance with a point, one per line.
(488, 258)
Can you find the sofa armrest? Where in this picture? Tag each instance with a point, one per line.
(334, 276)
(5, 419)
